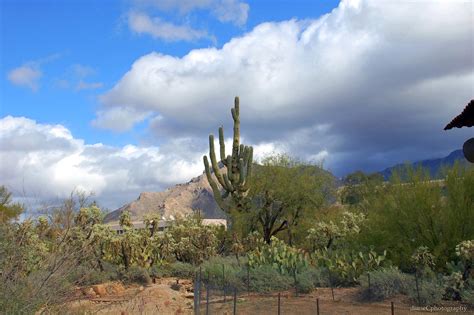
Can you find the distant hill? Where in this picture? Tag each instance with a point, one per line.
(433, 165)
(182, 199)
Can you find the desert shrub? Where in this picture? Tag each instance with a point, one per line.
(304, 284)
(218, 270)
(428, 293)
(319, 277)
(266, 279)
(84, 275)
(384, 283)
(158, 271)
(136, 274)
(180, 270)
(467, 296)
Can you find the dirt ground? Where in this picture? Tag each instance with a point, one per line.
(344, 303)
(161, 298)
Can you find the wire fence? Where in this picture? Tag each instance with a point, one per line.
(221, 297)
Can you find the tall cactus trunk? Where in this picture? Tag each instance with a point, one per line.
(233, 183)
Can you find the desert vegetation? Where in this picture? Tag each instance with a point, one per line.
(288, 227)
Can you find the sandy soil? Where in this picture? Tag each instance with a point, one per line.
(158, 298)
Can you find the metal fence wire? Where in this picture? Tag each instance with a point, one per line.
(219, 296)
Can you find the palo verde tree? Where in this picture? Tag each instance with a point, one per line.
(287, 194)
(235, 181)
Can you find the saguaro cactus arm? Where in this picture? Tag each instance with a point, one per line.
(215, 189)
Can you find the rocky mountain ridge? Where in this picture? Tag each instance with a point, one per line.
(181, 199)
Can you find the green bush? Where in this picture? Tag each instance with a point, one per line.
(136, 275)
(180, 270)
(304, 284)
(319, 277)
(467, 296)
(384, 283)
(158, 272)
(84, 275)
(430, 292)
(266, 279)
(218, 270)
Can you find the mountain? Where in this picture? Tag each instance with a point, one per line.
(195, 195)
(433, 165)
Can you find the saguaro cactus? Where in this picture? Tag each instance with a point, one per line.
(235, 181)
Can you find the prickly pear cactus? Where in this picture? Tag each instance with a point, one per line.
(284, 258)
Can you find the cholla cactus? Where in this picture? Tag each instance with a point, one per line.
(351, 222)
(422, 258)
(125, 219)
(465, 250)
(454, 285)
(324, 234)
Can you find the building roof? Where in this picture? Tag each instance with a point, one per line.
(465, 119)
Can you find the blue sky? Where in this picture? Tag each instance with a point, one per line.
(118, 97)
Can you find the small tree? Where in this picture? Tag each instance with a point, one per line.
(8, 209)
(285, 193)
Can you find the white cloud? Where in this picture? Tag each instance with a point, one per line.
(29, 74)
(383, 77)
(231, 11)
(141, 23)
(47, 161)
(119, 119)
(26, 75)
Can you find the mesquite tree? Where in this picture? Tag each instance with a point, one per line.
(235, 181)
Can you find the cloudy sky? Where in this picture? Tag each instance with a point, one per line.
(118, 97)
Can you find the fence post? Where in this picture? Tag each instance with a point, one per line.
(223, 282)
(279, 309)
(417, 287)
(235, 301)
(368, 279)
(248, 279)
(317, 306)
(393, 308)
(207, 299)
(196, 294)
(200, 285)
(330, 283)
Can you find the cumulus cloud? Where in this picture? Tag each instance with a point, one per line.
(47, 161)
(369, 84)
(26, 75)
